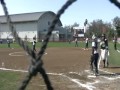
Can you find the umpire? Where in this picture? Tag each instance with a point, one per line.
(94, 56)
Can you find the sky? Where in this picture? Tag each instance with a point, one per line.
(77, 12)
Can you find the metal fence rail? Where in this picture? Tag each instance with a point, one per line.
(36, 59)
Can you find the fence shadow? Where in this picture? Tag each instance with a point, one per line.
(114, 67)
(110, 75)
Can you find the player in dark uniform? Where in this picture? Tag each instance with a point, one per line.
(0, 41)
(94, 56)
(8, 42)
(115, 43)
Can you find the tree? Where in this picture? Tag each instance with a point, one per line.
(70, 27)
(86, 22)
(98, 27)
(69, 30)
(116, 24)
(75, 24)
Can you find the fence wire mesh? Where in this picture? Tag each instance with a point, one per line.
(36, 59)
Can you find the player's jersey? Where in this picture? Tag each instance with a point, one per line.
(86, 40)
(104, 44)
(8, 41)
(34, 42)
(95, 51)
(95, 44)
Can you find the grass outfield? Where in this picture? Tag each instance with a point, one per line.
(114, 58)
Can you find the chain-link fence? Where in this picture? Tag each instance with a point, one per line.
(36, 59)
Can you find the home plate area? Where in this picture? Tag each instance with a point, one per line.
(83, 81)
(88, 81)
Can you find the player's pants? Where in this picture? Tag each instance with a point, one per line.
(103, 56)
(76, 44)
(9, 45)
(86, 45)
(34, 48)
(94, 62)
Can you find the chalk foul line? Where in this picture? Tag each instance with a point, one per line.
(20, 54)
(118, 51)
(88, 85)
(13, 70)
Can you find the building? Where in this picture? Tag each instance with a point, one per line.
(29, 25)
(78, 31)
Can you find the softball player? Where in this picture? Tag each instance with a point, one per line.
(76, 42)
(8, 42)
(86, 43)
(104, 52)
(34, 44)
(94, 56)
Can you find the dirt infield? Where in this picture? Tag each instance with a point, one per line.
(68, 69)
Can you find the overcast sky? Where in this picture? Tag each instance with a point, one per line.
(78, 12)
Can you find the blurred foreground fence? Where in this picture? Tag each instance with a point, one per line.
(36, 59)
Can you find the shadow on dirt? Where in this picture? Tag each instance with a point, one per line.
(110, 75)
(114, 67)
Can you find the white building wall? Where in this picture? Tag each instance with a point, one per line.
(26, 26)
(44, 23)
(21, 34)
(29, 34)
(23, 29)
(4, 28)
(31, 28)
(4, 35)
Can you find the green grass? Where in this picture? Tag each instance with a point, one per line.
(50, 44)
(9, 80)
(114, 57)
(65, 44)
(118, 46)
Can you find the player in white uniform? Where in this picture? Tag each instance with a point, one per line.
(76, 42)
(104, 52)
(86, 43)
